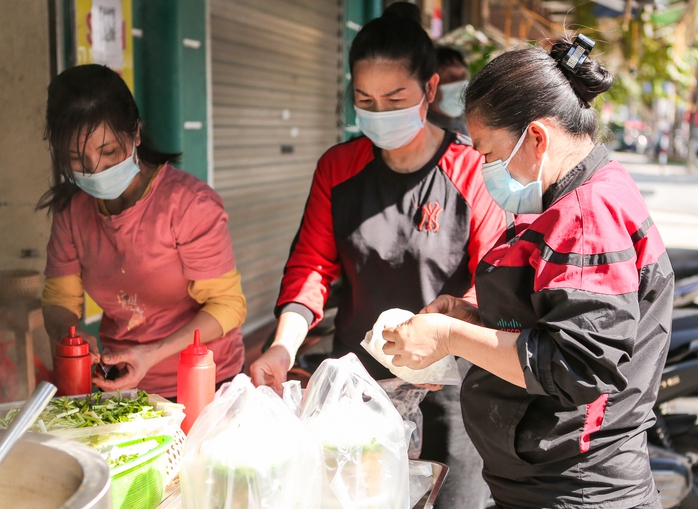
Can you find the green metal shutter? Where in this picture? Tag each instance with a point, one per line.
(276, 71)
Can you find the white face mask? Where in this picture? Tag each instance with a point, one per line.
(109, 184)
(451, 102)
(507, 192)
(391, 129)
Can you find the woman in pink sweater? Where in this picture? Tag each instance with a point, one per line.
(148, 242)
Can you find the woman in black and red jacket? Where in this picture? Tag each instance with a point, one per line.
(403, 216)
(574, 303)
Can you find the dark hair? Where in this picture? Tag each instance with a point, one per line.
(524, 85)
(79, 100)
(396, 37)
(448, 56)
(405, 9)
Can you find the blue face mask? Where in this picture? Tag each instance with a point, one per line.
(391, 129)
(451, 102)
(510, 194)
(112, 182)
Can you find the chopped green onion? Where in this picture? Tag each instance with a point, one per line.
(67, 413)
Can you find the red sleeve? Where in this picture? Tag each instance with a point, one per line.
(61, 252)
(487, 221)
(313, 262)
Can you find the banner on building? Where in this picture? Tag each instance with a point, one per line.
(103, 35)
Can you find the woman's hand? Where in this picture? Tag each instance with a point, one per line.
(58, 321)
(431, 387)
(420, 341)
(133, 362)
(455, 307)
(92, 341)
(271, 368)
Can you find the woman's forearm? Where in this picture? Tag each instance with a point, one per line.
(291, 332)
(209, 328)
(492, 350)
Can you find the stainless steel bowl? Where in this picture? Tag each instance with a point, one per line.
(47, 472)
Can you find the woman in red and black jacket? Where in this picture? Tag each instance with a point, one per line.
(575, 303)
(402, 215)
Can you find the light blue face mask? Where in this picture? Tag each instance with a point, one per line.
(451, 102)
(510, 194)
(391, 129)
(109, 184)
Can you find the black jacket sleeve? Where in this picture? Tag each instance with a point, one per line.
(580, 345)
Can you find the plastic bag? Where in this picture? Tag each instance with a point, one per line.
(248, 451)
(406, 399)
(421, 478)
(442, 372)
(362, 436)
(293, 396)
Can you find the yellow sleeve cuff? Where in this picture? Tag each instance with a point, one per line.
(222, 298)
(66, 292)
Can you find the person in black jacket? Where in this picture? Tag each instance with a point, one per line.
(402, 215)
(575, 301)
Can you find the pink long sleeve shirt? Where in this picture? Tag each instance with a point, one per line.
(137, 266)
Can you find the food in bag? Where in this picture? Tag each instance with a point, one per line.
(442, 372)
(247, 450)
(362, 435)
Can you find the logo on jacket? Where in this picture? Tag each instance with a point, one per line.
(430, 217)
(509, 325)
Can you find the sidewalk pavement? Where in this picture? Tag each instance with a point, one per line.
(671, 195)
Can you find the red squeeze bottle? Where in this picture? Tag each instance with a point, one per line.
(196, 380)
(72, 365)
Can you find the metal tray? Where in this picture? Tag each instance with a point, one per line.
(172, 499)
(440, 471)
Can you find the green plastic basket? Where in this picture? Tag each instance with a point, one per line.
(140, 483)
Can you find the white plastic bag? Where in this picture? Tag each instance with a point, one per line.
(248, 451)
(362, 436)
(406, 399)
(293, 396)
(442, 372)
(421, 477)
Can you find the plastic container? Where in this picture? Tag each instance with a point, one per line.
(196, 380)
(140, 483)
(72, 365)
(98, 436)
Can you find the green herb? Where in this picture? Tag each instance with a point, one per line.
(70, 413)
(124, 458)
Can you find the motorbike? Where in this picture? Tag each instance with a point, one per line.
(673, 440)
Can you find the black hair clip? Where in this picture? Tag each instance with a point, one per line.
(577, 54)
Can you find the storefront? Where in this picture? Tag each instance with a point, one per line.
(248, 91)
(276, 76)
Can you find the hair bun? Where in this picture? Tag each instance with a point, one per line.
(590, 80)
(404, 10)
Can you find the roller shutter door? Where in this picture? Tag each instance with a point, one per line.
(276, 71)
